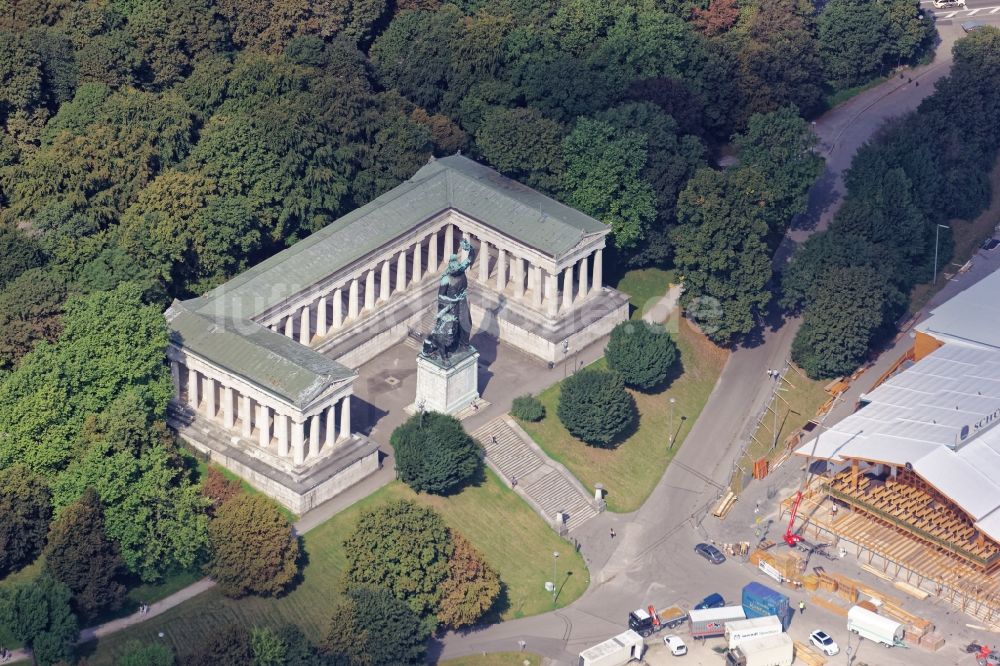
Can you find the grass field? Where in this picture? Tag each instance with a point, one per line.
(496, 659)
(630, 472)
(510, 534)
(799, 403)
(840, 96)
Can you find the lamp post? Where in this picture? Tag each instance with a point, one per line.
(555, 587)
(673, 401)
(565, 355)
(937, 234)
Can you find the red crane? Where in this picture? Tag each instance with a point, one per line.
(791, 538)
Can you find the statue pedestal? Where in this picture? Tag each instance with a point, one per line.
(447, 388)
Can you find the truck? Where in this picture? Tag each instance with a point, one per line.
(761, 601)
(710, 622)
(742, 631)
(647, 621)
(616, 651)
(776, 650)
(874, 627)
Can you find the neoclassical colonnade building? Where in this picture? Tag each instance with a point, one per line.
(264, 365)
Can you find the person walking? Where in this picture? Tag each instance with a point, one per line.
(613, 533)
(802, 607)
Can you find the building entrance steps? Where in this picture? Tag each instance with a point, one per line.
(545, 484)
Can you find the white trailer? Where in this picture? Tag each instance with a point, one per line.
(874, 627)
(776, 650)
(741, 631)
(616, 651)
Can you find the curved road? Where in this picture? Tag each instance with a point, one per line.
(652, 560)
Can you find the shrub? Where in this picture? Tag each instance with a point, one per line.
(595, 407)
(528, 408)
(434, 454)
(641, 353)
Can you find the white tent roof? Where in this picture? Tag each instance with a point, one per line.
(935, 416)
(970, 318)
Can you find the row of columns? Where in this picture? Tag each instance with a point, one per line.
(517, 276)
(295, 436)
(362, 295)
(511, 274)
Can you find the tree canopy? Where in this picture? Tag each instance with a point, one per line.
(434, 454)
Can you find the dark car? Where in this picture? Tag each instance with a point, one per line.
(713, 600)
(710, 553)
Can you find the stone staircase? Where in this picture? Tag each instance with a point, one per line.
(546, 485)
(415, 338)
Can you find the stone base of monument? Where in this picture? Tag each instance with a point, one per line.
(449, 387)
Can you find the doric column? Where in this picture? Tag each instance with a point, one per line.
(536, 294)
(210, 396)
(345, 417)
(321, 317)
(245, 415)
(298, 442)
(175, 378)
(305, 326)
(370, 290)
(264, 425)
(484, 261)
(449, 242)
(401, 271)
(192, 387)
(598, 270)
(331, 425)
(352, 301)
(551, 294)
(418, 260)
(281, 428)
(338, 308)
(567, 293)
(314, 426)
(383, 283)
(432, 253)
(501, 269)
(290, 326)
(227, 407)
(519, 278)
(584, 289)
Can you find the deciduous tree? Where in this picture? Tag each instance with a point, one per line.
(254, 549)
(79, 555)
(472, 586)
(434, 454)
(371, 627)
(25, 510)
(39, 615)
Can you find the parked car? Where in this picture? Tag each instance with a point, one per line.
(824, 643)
(676, 645)
(710, 553)
(713, 600)
(941, 4)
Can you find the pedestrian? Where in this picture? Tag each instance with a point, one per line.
(513, 482)
(802, 607)
(475, 405)
(493, 439)
(769, 371)
(612, 533)
(521, 644)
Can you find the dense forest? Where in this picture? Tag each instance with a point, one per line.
(152, 149)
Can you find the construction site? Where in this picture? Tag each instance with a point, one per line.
(908, 485)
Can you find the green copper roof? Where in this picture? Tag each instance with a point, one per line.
(262, 357)
(454, 182)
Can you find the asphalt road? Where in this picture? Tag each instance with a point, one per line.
(652, 560)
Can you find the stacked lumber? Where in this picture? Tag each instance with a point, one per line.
(831, 606)
(847, 588)
(932, 641)
(807, 656)
(911, 590)
(725, 505)
(878, 573)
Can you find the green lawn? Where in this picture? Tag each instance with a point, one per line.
(631, 471)
(799, 403)
(644, 288)
(837, 97)
(511, 535)
(496, 659)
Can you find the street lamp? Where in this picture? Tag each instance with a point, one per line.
(555, 587)
(937, 234)
(565, 355)
(673, 401)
